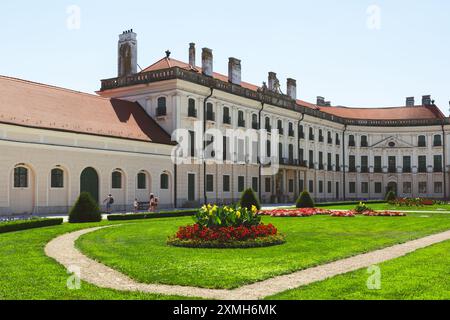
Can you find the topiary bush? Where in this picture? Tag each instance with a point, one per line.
(85, 209)
(305, 200)
(249, 199)
(390, 197)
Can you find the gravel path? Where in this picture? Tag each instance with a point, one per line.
(63, 250)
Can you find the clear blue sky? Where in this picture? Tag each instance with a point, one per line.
(327, 46)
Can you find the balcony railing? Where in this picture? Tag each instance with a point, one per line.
(255, 125)
(321, 138)
(407, 170)
(301, 135)
(364, 169)
(351, 144)
(437, 169)
(364, 144)
(330, 168)
(422, 169)
(311, 137)
(281, 131)
(352, 169)
(291, 133)
(330, 141)
(210, 116)
(378, 169)
(226, 119)
(161, 112)
(241, 123)
(392, 170)
(192, 113)
(338, 142)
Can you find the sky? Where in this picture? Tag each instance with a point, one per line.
(353, 52)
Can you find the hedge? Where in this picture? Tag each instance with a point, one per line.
(28, 224)
(140, 216)
(262, 242)
(326, 204)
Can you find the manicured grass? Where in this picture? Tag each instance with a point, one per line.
(387, 206)
(421, 275)
(27, 274)
(140, 250)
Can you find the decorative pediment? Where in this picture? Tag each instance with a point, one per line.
(392, 142)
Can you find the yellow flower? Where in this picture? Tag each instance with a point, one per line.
(238, 214)
(254, 209)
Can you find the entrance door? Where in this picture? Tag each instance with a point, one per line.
(89, 183)
(392, 186)
(191, 187)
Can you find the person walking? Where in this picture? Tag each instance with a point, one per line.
(136, 206)
(152, 203)
(109, 202)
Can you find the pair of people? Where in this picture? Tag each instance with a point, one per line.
(153, 204)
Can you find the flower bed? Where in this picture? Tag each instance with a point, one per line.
(284, 213)
(227, 227)
(384, 214)
(343, 214)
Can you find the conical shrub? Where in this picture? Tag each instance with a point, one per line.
(305, 200)
(85, 209)
(391, 196)
(249, 199)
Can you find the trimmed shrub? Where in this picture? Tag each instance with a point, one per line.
(305, 200)
(391, 196)
(85, 209)
(275, 240)
(28, 224)
(249, 199)
(140, 216)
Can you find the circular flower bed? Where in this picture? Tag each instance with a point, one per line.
(227, 227)
(307, 212)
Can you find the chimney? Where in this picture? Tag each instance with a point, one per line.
(234, 71)
(192, 55)
(272, 81)
(127, 60)
(207, 62)
(410, 102)
(292, 88)
(426, 100)
(320, 101)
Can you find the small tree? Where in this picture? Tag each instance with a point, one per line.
(391, 196)
(249, 199)
(85, 209)
(305, 200)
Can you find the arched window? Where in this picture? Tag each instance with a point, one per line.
(241, 120)
(57, 180)
(142, 181)
(280, 126)
(268, 127)
(268, 147)
(351, 141)
(280, 151)
(291, 129)
(20, 177)
(164, 181)
(161, 110)
(210, 115)
(437, 142)
(226, 115)
(117, 180)
(291, 153)
(364, 141)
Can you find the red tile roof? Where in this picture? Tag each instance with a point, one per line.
(37, 105)
(395, 113)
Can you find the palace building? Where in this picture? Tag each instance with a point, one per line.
(56, 143)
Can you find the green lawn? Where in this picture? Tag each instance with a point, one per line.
(387, 206)
(27, 274)
(139, 250)
(422, 275)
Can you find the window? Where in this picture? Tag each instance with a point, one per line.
(407, 187)
(117, 180)
(438, 187)
(269, 148)
(209, 183)
(311, 159)
(329, 138)
(437, 160)
(392, 162)
(226, 115)
(241, 184)
(352, 187)
(291, 186)
(268, 126)
(191, 186)
(351, 141)
(377, 167)
(161, 110)
(20, 177)
(291, 154)
(437, 142)
(311, 186)
(241, 120)
(226, 183)
(352, 164)
(321, 160)
(255, 185)
(364, 142)
(422, 164)
(192, 111)
(280, 152)
(321, 138)
(378, 187)
(330, 187)
(320, 186)
(57, 178)
(364, 164)
(338, 163)
(301, 133)
(311, 134)
(268, 183)
(291, 130)
(255, 122)
(210, 116)
(422, 141)
(301, 155)
(301, 185)
(406, 164)
(164, 181)
(423, 187)
(329, 165)
(192, 143)
(364, 187)
(338, 142)
(280, 127)
(142, 181)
